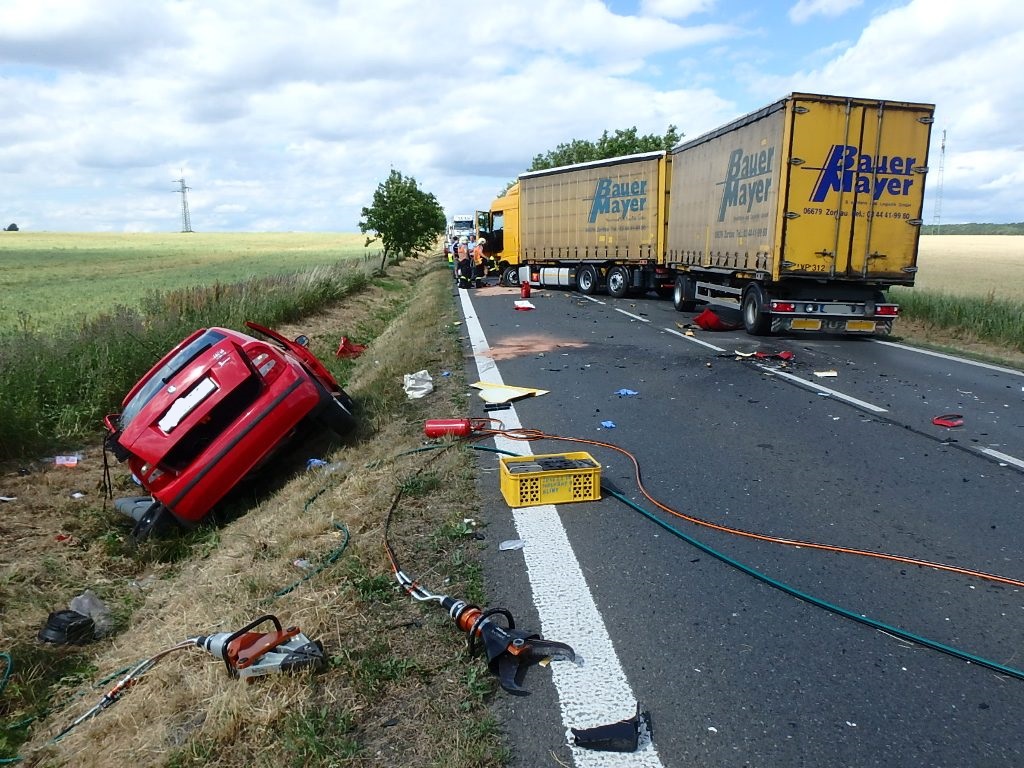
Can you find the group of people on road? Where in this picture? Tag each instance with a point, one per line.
(468, 260)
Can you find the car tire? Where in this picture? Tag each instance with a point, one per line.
(337, 413)
(157, 521)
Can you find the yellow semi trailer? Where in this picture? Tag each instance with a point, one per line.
(801, 215)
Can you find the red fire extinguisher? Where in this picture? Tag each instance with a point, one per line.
(524, 289)
(453, 427)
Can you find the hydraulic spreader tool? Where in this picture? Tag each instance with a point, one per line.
(252, 654)
(510, 651)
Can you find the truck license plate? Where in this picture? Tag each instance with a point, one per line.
(860, 325)
(805, 324)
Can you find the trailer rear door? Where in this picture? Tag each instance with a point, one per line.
(855, 188)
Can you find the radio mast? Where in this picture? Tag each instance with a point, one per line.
(186, 221)
(937, 216)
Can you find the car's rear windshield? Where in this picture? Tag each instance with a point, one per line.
(166, 372)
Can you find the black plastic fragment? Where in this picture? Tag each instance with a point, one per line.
(623, 736)
(67, 627)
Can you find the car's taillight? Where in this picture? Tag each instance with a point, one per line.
(266, 365)
(150, 474)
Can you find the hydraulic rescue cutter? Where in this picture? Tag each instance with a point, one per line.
(510, 651)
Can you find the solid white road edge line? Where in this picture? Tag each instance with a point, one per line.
(953, 358)
(595, 691)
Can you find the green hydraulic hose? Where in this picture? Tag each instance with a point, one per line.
(902, 634)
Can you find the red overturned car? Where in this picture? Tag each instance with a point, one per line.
(211, 411)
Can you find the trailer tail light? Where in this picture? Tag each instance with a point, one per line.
(887, 310)
(783, 306)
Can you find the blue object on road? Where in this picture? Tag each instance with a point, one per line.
(627, 393)
(608, 424)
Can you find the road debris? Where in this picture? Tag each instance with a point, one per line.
(349, 349)
(623, 736)
(949, 420)
(418, 384)
(505, 393)
(710, 321)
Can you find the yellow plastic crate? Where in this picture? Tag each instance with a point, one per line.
(550, 478)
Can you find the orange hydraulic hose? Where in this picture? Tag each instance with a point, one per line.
(534, 434)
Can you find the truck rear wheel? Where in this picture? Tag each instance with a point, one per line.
(683, 297)
(755, 319)
(618, 282)
(586, 280)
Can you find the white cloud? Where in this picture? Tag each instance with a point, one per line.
(675, 9)
(294, 112)
(807, 9)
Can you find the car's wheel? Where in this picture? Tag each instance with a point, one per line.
(586, 279)
(336, 412)
(156, 521)
(755, 319)
(618, 282)
(510, 276)
(684, 293)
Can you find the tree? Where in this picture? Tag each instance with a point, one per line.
(12, 227)
(403, 217)
(622, 142)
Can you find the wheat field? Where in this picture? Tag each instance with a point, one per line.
(972, 265)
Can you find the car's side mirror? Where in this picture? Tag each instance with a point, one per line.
(302, 340)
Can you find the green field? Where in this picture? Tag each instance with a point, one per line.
(52, 279)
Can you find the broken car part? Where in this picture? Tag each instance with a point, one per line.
(623, 736)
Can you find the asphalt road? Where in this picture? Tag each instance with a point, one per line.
(734, 671)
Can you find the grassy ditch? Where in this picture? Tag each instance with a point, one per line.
(398, 690)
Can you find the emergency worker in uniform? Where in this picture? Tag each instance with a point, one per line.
(479, 263)
(449, 249)
(464, 259)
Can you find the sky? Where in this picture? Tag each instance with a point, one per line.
(286, 116)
